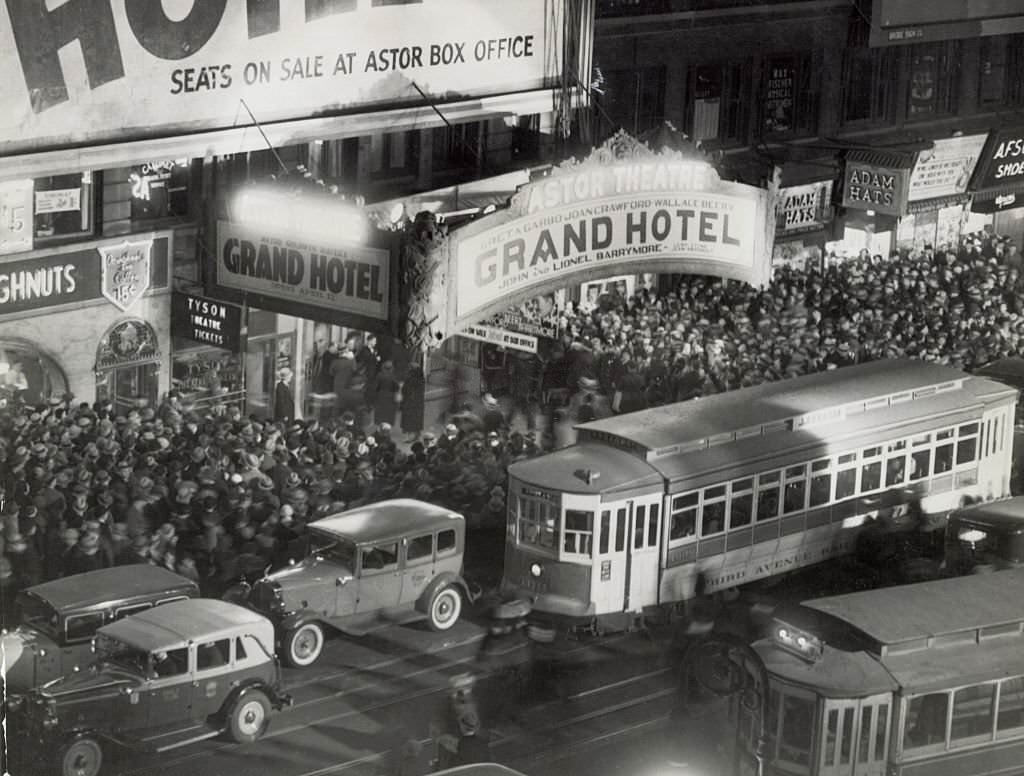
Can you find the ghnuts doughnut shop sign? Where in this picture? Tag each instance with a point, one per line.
(646, 213)
(81, 71)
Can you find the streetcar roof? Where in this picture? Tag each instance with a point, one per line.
(564, 470)
(386, 520)
(961, 664)
(838, 674)
(812, 398)
(910, 619)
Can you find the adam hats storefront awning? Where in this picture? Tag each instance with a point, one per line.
(999, 180)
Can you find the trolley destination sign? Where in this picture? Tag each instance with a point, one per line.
(659, 213)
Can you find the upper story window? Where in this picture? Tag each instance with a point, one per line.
(64, 207)
(934, 79)
(160, 189)
(721, 97)
(394, 153)
(1001, 73)
(457, 146)
(633, 100)
(867, 79)
(789, 96)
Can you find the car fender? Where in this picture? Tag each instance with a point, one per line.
(443, 579)
(277, 699)
(294, 620)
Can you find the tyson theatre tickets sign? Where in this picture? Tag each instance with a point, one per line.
(648, 213)
(88, 71)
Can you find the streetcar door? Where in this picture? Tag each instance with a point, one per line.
(856, 736)
(644, 552)
(610, 572)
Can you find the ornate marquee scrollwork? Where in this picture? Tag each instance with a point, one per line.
(423, 266)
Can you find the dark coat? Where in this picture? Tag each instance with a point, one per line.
(413, 401)
(284, 402)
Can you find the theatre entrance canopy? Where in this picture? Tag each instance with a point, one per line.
(624, 209)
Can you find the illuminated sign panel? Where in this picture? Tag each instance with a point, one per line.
(101, 71)
(898, 22)
(595, 219)
(946, 169)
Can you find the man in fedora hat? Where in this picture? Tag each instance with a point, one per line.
(284, 398)
(493, 417)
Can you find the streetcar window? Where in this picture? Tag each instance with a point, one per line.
(895, 471)
(639, 524)
(1011, 706)
(741, 510)
(713, 518)
(973, 713)
(796, 729)
(966, 450)
(538, 523)
(926, 720)
(847, 458)
(947, 434)
(579, 527)
(821, 483)
(943, 458)
(620, 530)
(796, 489)
(684, 516)
(846, 483)
(920, 440)
(967, 429)
(652, 526)
(870, 477)
(920, 464)
(767, 502)
(606, 529)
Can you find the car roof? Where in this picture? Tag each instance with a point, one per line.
(386, 520)
(176, 624)
(121, 583)
(1006, 513)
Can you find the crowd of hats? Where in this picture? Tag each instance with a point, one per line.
(958, 307)
(213, 496)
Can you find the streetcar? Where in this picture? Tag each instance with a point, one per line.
(915, 679)
(728, 489)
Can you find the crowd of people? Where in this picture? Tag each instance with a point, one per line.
(217, 496)
(961, 308)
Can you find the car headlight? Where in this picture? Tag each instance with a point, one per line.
(15, 702)
(536, 569)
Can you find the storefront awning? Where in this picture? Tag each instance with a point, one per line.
(995, 200)
(895, 160)
(936, 203)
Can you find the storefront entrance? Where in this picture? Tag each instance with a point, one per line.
(264, 356)
(128, 366)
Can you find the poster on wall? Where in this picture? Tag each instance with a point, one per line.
(946, 168)
(15, 216)
(88, 72)
(778, 98)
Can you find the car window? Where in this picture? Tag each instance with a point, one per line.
(82, 627)
(420, 547)
(239, 649)
(446, 541)
(380, 557)
(127, 611)
(173, 662)
(213, 654)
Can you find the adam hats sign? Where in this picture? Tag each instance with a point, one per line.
(125, 271)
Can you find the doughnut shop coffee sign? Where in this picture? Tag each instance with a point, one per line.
(653, 213)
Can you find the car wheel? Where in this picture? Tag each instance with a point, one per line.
(81, 757)
(303, 645)
(445, 608)
(249, 717)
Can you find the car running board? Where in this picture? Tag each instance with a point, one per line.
(172, 739)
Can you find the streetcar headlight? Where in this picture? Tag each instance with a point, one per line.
(536, 569)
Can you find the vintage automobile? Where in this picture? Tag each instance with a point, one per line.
(60, 618)
(390, 562)
(167, 677)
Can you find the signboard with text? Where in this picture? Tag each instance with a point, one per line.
(86, 71)
(16, 216)
(307, 273)
(504, 338)
(207, 321)
(946, 169)
(803, 208)
(901, 22)
(660, 213)
(1002, 161)
(869, 187)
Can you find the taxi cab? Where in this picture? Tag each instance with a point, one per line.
(61, 617)
(384, 563)
(167, 677)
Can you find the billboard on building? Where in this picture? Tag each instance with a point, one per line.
(897, 22)
(644, 213)
(96, 71)
(945, 169)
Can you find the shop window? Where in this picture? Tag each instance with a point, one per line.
(633, 100)
(867, 78)
(394, 154)
(719, 108)
(457, 146)
(790, 95)
(1001, 74)
(160, 189)
(934, 77)
(128, 366)
(64, 207)
(28, 376)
